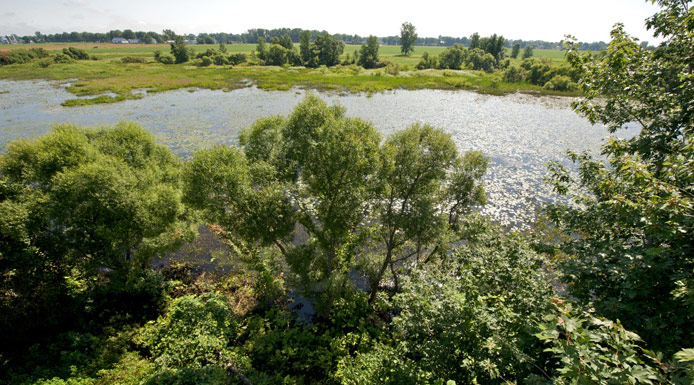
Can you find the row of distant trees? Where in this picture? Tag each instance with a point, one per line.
(252, 35)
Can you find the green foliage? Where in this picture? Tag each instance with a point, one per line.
(219, 59)
(328, 50)
(305, 48)
(528, 52)
(453, 57)
(76, 53)
(427, 61)
(426, 187)
(163, 58)
(132, 59)
(478, 59)
(261, 48)
(63, 59)
(20, 56)
(469, 319)
(180, 51)
(513, 74)
(286, 42)
(494, 45)
(474, 40)
(408, 36)
(515, 51)
(324, 176)
(205, 61)
(592, 350)
(208, 375)
(368, 54)
(79, 201)
(631, 228)
(276, 55)
(284, 351)
(392, 69)
(237, 58)
(560, 83)
(194, 333)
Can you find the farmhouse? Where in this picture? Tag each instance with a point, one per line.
(119, 40)
(9, 39)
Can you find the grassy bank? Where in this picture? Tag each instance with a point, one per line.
(108, 75)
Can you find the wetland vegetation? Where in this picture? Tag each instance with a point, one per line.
(353, 254)
(123, 69)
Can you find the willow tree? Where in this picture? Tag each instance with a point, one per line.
(316, 187)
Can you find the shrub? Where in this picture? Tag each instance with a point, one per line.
(163, 58)
(62, 58)
(132, 59)
(220, 60)
(560, 83)
(194, 333)
(237, 58)
(427, 61)
(513, 75)
(76, 53)
(469, 320)
(592, 350)
(392, 69)
(206, 61)
(43, 63)
(21, 56)
(209, 375)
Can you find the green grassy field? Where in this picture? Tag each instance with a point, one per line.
(108, 74)
(386, 52)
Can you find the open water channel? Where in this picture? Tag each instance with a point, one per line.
(519, 133)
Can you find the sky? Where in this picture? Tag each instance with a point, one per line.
(549, 20)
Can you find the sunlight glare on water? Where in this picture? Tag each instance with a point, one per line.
(519, 133)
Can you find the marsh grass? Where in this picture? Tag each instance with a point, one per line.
(103, 99)
(109, 75)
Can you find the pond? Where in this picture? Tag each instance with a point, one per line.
(519, 133)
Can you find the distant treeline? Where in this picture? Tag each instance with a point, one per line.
(251, 37)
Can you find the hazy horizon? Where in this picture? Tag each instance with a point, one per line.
(589, 21)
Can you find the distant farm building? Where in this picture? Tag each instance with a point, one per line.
(119, 40)
(9, 39)
(134, 41)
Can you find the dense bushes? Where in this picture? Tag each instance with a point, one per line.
(76, 204)
(21, 56)
(194, 333)
(76, 53)
(467, 302)
(543, 73)
(458, 57)
(132, 59)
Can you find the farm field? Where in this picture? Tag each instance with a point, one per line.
(386, 52)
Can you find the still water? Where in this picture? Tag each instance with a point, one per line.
(519, 133)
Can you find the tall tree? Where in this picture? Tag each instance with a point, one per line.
(326, 176)
(261, 48)
(328, 50)
(368, 54)
(408, 37)
(515, 50)
(528, 51)
(305, 47)
(475, 40)
(180, 51)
